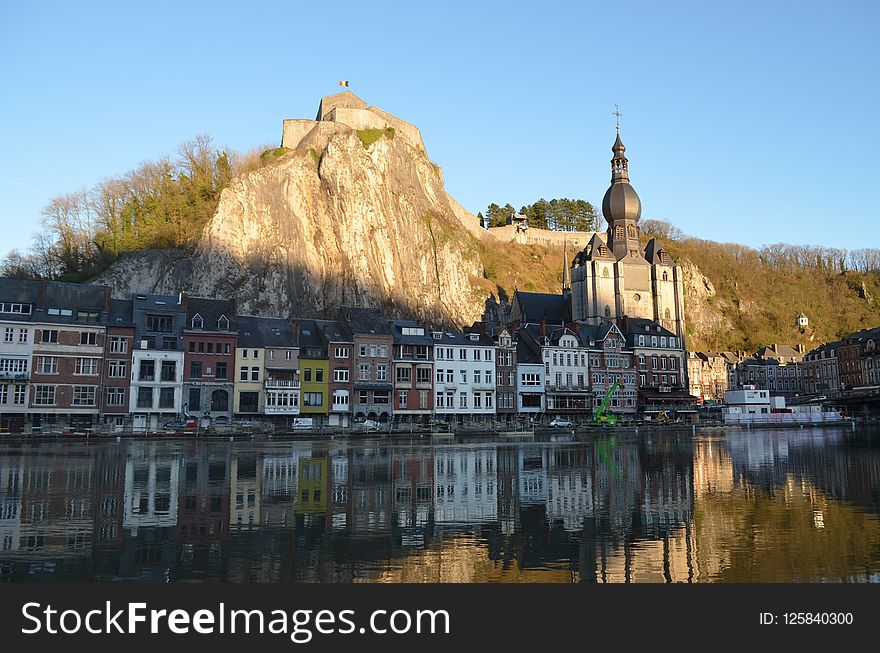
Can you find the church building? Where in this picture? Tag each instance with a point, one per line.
(613, 277)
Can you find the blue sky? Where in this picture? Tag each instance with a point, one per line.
(750, 122)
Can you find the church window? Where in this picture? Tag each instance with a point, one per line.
(607, 310)
(618, 231)
(637, 297)
(605, 272)
(665, 275)
(631, 231)
(667, 313)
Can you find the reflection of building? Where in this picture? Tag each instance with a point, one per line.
(413, 475)
(569, 488)
(312, 484)
(244, 490)
(279, 485)
(532, 475)
(370, 474)
(203, 513)
(464, 485)
(10, 502)
(151, 487)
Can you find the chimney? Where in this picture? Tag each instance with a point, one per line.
(41, 296)
(543, 328)
(295, 326)
(183, 301)
(106, 301)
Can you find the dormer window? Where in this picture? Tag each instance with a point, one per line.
(437, 335)
(223, 323)
(198, 322)
(475, 336)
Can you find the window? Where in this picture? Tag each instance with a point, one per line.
(116, 369)
(244, 353)
(476, 376)
(166, 397)
(383, 351)
(118, 345)
(404, 398)
(44, 395)
(488, 400)
(22, 336)
(19, 309)
(169, 344)
(195, 399)
(195, 369)
(364, 372)
(362, 350)
(10, 335)
(198, 322)
(243, 374)
(116, 396)
(372, 351)
(313, 399)
(340, 398)
(341, 352)
(84, 395)
(439, 375)
(462, 400)
(477, 354)
(255, 374)
(381, 397)
(223, 325)
(86, 366)
(363, 396)
(47, 365)
(19, 395)
(4, 393)
(221, 371)
(87, 316)
(607, 311)
(169, 371)
(403, 374)
(248, 402)
(462, 354)
(145, 398)
(340, 375)
(159, 323)
(439, 400)
(478, 400)
(530, 379)
(319, 375)
(653, 341)
(423, 375)
(147, 371)
(49, 336)
(423, 398)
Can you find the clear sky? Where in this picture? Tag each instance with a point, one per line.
(750, 122)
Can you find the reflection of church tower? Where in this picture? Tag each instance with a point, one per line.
(621, 207)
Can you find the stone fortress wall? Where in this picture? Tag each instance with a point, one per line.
(348, 109)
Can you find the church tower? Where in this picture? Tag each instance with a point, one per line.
(621, 207)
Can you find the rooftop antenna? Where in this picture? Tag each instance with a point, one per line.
(617, 114)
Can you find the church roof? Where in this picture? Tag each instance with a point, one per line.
(536, 306)
(593, 249)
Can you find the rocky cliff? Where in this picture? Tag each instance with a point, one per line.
(339, 220)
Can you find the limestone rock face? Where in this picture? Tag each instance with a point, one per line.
(704, 315)
(331, 223)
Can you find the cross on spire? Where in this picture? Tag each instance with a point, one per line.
(617, 114)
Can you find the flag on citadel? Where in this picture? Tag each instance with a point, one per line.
(344, 82)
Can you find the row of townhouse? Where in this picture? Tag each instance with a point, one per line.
(832, 367)
(850, 363)
(75, 358)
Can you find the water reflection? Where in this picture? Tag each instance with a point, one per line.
(755, 506)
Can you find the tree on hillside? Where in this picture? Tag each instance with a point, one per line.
(480, 220)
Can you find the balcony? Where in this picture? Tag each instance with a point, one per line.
(281, 410)
(287, 384)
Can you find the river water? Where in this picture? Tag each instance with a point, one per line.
(752, 506)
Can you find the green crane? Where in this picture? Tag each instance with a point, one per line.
(602, 417)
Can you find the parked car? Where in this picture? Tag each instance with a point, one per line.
(560, 423)
(370, 425)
